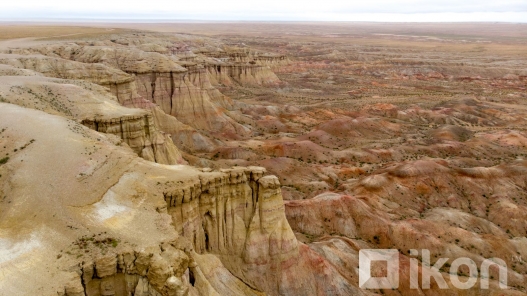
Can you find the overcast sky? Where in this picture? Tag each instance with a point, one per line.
(284, 10)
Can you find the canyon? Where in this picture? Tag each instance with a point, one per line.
(260, 158)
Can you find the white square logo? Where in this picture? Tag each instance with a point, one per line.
(391, 281)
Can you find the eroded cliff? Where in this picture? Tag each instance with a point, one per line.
(135, 226)
(181, 88)
(94, 107)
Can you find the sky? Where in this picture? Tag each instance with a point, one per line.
(268, 10)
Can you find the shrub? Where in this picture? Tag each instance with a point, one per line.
(4, 160)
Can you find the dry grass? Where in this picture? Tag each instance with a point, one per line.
(501, 31)
(52, 32)
(465, 38)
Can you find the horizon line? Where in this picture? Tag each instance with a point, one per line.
(169, 20)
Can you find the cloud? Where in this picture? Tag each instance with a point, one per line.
(444, 6)
(263, 10)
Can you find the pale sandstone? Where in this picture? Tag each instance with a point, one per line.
(97, 110)
(133, 204)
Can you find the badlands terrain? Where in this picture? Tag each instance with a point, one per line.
(259, 158)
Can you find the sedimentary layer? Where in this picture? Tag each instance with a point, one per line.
(94, 107)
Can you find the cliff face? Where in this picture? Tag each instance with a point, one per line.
(229, 54)
(176, 95)
(245, 55)
(242, 66)
(126, 94)
(184, 136)
(156, 271)
(141, 134)
(271, 60)
(137, 129)
(149, 229)
(239, 216)
(200, 77)
(233, 240)
(183, 92)
(120, 84)
(136, 227)
(223, 213)
(91, 105)
(243, 74)
(147, 76)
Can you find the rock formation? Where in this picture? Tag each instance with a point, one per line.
(181, 89)
(66, 69)
(141, 230)
(372, 147)
(92, 106)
